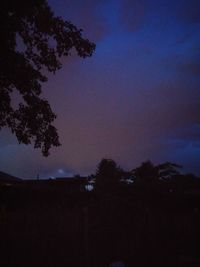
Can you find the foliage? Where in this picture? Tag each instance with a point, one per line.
(167, 170)
(149, 174)
(145, 174)
(108, 175)
(33, 41)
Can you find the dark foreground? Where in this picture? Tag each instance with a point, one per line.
(48, 226)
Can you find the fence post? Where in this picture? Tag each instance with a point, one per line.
(86, 236)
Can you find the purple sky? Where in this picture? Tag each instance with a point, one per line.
(137, 98)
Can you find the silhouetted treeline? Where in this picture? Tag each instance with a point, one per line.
(148, 216)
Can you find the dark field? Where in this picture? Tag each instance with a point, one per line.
(46, 224)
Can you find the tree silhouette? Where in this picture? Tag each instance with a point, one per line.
(33, 40)
(167, 170)
(149, 174)
(145, 174)
(108, 175)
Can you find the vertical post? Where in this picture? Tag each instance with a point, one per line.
(86, 236)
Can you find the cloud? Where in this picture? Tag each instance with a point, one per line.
(191, 68)
(133, 13)
(137, 14)
(136, 98)
(189, 134)
(188, 11)
(187, 153)
(87, 15)
(6, 138)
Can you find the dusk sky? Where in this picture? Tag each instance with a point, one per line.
(136, 99)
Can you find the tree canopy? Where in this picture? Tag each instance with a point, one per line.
(33, 40)
(149, 174)
(108, 175)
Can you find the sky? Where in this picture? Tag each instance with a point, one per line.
(136, 99)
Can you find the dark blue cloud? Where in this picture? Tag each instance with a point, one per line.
(137, 98)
